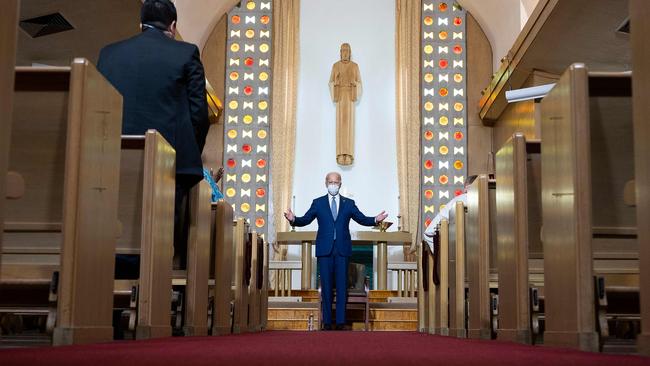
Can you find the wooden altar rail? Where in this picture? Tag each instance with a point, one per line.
(62, 206)
(9, 13)
(283, 271)
(407, 278)
(587, 161)
(381, 239)
(639, 11)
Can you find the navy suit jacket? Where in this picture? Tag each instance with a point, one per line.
(321, 211)
(162, 82)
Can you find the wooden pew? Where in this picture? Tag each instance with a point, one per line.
(198, 265)
(241, 275)
(265, 288)
(8, 38)
(457, 309)
(255, 286)
(518, 226)
(639, 12)
(478, 231)
(441, 311)
(586, 162)
(146, 214)
(223, 245)
(63, 197)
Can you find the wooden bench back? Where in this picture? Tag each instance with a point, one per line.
(222, 244)
(9, 11)
(457, 270)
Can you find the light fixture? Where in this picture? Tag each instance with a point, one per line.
(535, 92)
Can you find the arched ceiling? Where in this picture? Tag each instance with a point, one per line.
(501, 20)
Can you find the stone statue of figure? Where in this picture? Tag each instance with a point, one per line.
(345, 88)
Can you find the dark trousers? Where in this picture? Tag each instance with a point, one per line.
(181, 222)
(334, 269)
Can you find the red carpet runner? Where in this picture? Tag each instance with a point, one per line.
(311, 348)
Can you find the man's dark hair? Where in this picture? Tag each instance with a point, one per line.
(158, 13)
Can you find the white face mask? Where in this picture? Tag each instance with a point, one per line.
(333, 189)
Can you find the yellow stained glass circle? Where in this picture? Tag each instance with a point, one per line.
(428, 77)
(245, 207)
(245, 177)
(458, 107)
(443, 121)
(248, 119)
(234, 47)
(428, 20)
(261, 134)
(263, 105)
(232, 134)
(250, 5)
(458, 164)
(264, 48)
(233, 104)
(458, 78)
(234, 75)
(428, 49)
(444, 150)
(264, 76)
(443, 35)
(250, 33)
(230, 192)
(428, 106)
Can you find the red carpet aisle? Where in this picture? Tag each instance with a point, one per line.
(315, 348)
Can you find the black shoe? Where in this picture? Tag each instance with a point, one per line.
(327, 327)
(340, 326)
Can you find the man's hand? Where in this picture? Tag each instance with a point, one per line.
(289, 215)
(381, 217)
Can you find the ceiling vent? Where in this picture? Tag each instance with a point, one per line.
(45, 25)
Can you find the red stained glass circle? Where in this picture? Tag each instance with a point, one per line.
(248, 90)
(247, 148)
(458, 135)
(249, 61)
(261, 163)
(235, 19)
(458, 21)
(231, 163)
(443, 63)
(428, 164)
(260, 192)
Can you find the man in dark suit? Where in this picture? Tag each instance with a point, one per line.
(333, 243)
(163, 85)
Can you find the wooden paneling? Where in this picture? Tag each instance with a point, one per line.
(640, 12)
(477, 233)
(8, 31)
(222, 244)
(214, 62)
(442, 293)
(154, 298)
(512, 240)
(479, 70)
(198, 266)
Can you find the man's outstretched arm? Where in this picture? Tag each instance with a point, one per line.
(364, 220)
(305, 220)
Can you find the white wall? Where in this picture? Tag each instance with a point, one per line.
(369, 27)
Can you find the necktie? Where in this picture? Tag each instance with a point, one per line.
(333, 207)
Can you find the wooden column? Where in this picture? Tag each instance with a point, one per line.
(640, 13)
(423, 298)
(478, 258)
(512, 241)
(198, 261)
(306, 265)
(91, 186)
(382, 265)
(431, 295)
(9, 10)
(457, 323)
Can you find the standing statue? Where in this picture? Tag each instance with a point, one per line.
(345, 88)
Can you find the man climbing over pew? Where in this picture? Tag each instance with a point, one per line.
(163, 84)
